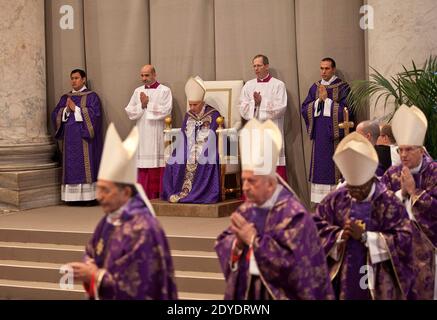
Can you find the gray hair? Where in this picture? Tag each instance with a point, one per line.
(371, 127)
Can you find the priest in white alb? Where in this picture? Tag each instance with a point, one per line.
(149, 105)
(265, 97)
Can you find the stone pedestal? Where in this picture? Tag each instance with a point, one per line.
(29, 177)
(214, 210)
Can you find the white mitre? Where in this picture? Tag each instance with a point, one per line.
(409, 126)
(119, 161)
(260, 146)
(356, 158)
(195, 89)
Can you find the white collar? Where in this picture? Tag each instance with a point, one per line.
(327, 83)
(83, 89)
(202, 111)
(114, 217)
(271, 202)
(370, 195)
(417, 169)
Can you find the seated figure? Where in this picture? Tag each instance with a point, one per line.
(192, 172)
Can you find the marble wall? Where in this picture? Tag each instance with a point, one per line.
(28, 175)
(23, 90)
(403, 31)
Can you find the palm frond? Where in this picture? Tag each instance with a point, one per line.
(413, 86)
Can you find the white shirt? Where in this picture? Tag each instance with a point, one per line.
(328, 101)
(273, 105)
(150, 123)
(77, 112)
(269, 204)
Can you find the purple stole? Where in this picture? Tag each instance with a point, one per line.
(356, 254)
(101, 247)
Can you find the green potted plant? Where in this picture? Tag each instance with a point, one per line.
(417, 86)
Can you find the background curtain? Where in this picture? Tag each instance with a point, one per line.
(215, 39)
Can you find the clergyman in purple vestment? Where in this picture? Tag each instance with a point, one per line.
(192, 172)
(77, 123)
(414, 181)
(365, 229)
(322, 111)
(272, 249)
(128, 256)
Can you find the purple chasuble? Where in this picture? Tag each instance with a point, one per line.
(324, 131)
(424, 209)
(135, 255)
(383, 214)
(192, 173)
(287, 250)
(80, 141)
(424, 201)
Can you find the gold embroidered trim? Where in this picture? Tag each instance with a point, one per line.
(79, 94)
(196, 117)
(86, 161)
(393, 265)
(416, 197)
(312, 161)
(310, 115)
(335, 94)
(190, 168)
(336, 137)
(190, 171)
(87, 116)
(334, 270)
(331, 86)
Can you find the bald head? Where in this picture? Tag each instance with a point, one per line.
(370, 130)
(148, 74)
(148, 68)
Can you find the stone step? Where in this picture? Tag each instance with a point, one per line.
(28, 290)
(30, 262)
(199, 296)
(202, 282)
(191, 243)
(45, 236)
(82, 238)
(38, 252)
(199, 261)
(184, 260)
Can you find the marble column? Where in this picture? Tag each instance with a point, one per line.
(29, 177)
(402, 31)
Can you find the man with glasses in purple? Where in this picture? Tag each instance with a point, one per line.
(415, 183)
